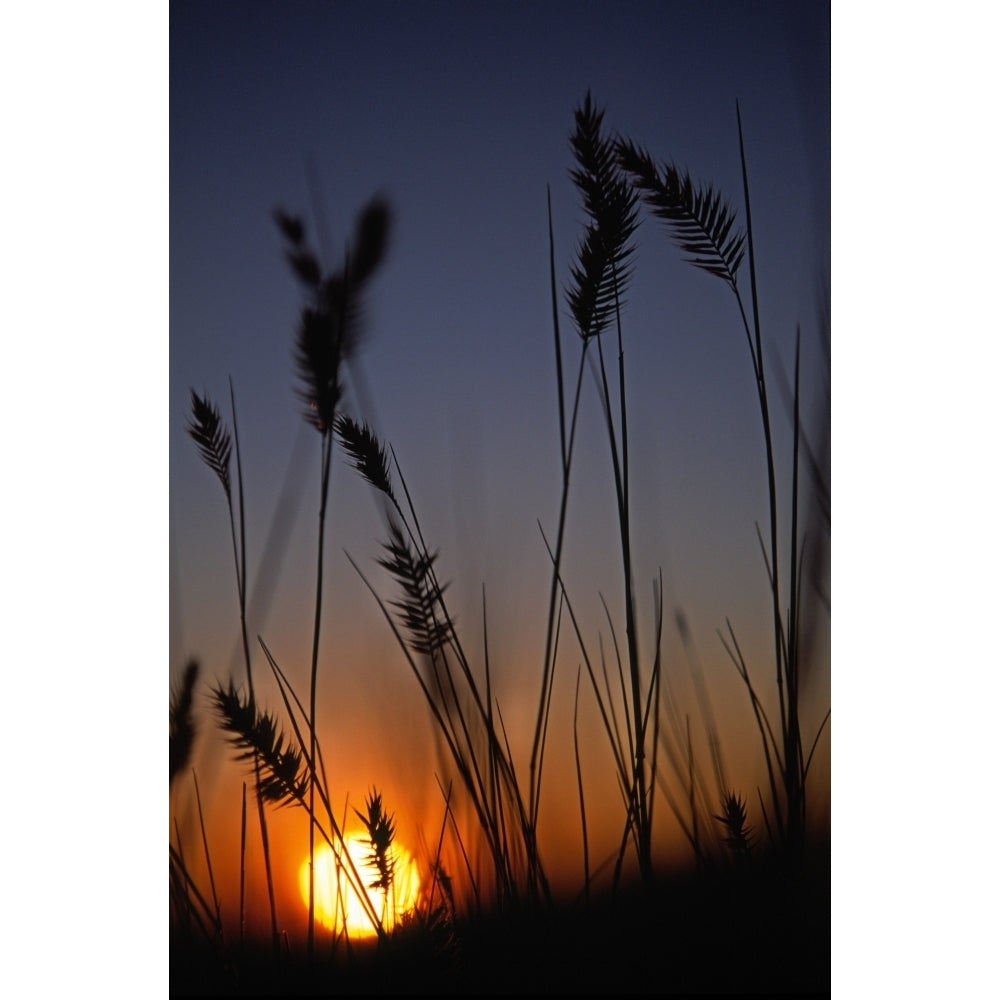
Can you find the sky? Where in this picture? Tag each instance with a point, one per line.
(460, 116)
(93, 521)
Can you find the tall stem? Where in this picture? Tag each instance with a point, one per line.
(566, 453)
(326, 449)
(241, 587)
(793, 751)
(537, 748)
(637, 794)
(787, 692)
(645, 834)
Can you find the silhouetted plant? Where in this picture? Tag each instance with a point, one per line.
(600, 277)
(187, 900)
(286, 775)
(380, 828)
(194, 913)
(739, 837)
(464, 714)
(675, 740)
(255, 733)
(462, 710)
(610, 175)
(215, 445)
(702, 224)
(329, 331)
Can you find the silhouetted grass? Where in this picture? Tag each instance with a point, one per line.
(215, 445)
(756, 914)
(330, 329)
(702, 224)
(595, 297)
(460, 703)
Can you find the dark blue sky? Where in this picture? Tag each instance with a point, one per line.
(460, 114)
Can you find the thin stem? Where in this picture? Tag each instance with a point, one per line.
(619, 468)
(208, 856)
(241, 587)
(314, 767)
(326, 449)
(793, 751)
(566, 452)
(579, 788)
(548, 668)
(785, 698)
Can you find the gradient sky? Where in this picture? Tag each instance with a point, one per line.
(460, 115)
(93, 144)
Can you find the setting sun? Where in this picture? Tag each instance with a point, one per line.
(338, 904)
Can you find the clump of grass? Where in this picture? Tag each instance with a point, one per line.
(216, 445)
(691, 804)
(702, 223)
(462, 706)
(599, 280)
(188, 901)
(612, 175)
(330, 329)
(286, 773)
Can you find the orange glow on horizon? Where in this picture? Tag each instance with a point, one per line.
(338, 906)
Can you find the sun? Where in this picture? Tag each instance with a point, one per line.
(337, 904)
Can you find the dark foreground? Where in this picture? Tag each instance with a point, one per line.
(765, 932)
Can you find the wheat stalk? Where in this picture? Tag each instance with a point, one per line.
(330, 328)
